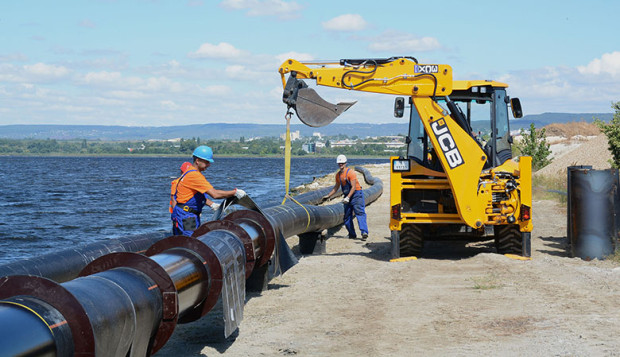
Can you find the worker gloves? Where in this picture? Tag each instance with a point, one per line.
(239, 193)
(214, 206)
(324, 198)
(346, 200)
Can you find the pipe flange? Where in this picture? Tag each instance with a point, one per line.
(232, 227)
(265, 224)
(60, 299)
(210, 264)
(147, 266)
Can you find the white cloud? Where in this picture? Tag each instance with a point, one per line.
(34, 73)
(609, 63)
(400, 42)
(46, 70)
(168, 104)
(163, 84)
(215, 90)
(126, 94)
(70, 108)
(242, 73)
(562, 90)
(223, 50)
(278, 8)
(13, 57)
(9, 73)
(102, 77)
(299, 56)
(121, 84)
(346, 22)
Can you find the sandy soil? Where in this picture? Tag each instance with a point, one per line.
(588, 151)
(458, 300)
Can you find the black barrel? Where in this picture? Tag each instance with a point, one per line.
(568, 205)
(591, 210)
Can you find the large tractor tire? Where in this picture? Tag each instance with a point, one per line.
(508, 240)
(411, 240)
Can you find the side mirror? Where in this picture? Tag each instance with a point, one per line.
(399, 107)
(515, 105)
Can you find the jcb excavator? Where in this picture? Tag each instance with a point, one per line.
(458, 179)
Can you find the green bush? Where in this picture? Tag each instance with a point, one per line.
(535, 144)
(612, 131)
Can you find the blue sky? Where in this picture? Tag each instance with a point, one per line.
(160, 63)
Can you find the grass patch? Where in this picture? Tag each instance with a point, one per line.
(549, 187)
(487, 282)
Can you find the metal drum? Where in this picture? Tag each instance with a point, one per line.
(591, 200)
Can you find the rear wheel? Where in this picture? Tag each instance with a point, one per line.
(508, 239)
(411, 240)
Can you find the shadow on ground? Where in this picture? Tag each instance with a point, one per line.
(556, 246)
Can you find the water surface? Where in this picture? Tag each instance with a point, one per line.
(54, 203)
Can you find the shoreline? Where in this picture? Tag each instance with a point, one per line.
(185, 156)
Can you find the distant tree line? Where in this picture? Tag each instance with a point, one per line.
(257, 147)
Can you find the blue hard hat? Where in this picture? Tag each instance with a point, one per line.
(204, 152)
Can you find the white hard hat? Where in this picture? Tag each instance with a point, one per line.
(341, 159)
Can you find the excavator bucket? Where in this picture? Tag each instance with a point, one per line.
(311, 109)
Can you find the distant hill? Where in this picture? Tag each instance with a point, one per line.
(203, 131)
(543, 119)
(235, 131)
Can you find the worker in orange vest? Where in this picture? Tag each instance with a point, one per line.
(173, 187)
(190, 193)
(353, 200)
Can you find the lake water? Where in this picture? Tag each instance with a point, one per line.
(54, 203)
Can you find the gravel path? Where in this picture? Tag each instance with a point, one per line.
(459, 300)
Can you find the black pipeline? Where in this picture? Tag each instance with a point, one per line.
(128, 304)
(65, 265)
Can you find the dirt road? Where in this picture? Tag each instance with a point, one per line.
(458, 300)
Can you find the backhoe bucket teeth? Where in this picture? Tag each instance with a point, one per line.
(314, 111)
(311, 109)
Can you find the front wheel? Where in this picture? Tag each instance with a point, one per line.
(509, 240)
(411, 240)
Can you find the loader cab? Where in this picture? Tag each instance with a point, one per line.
(483, 107)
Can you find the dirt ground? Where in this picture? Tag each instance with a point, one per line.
(458, 300)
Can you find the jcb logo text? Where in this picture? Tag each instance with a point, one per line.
(447, 144)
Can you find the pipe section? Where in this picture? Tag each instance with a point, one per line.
(591, 196)
(66, 264)
(128, 304)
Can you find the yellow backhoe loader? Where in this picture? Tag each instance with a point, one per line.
(459, 179)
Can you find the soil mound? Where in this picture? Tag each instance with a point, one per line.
(570, 130)
(593, 152)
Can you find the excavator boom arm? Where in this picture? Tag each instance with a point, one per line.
(399, 76)
(460, 156)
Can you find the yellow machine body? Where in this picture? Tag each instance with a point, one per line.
(453, 182)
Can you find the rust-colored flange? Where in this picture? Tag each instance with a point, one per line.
(159, 276)
(210, 263)
(269, 242)
(60, 299)
(239, 232)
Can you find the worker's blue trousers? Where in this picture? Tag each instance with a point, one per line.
(357, 206)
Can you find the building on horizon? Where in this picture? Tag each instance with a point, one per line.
(294, 135)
